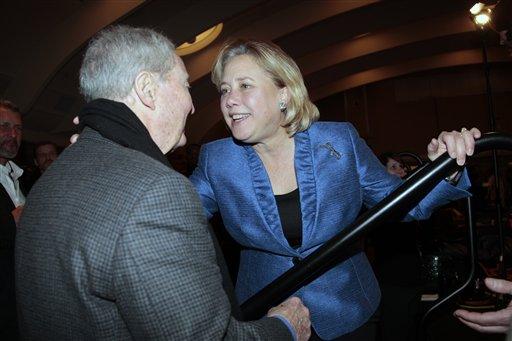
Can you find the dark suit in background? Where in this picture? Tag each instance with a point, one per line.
(7, 293)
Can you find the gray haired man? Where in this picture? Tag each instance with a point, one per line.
(113, 243)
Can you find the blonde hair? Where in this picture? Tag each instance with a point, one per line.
(284, 72)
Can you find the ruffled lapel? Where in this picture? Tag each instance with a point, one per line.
(264, 196)
(307, 187)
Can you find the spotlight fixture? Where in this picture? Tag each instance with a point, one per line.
(481, 14)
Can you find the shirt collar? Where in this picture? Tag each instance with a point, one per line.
(11, 169)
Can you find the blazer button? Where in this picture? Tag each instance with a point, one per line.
(296, 260)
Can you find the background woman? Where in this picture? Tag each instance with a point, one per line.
(393, 164)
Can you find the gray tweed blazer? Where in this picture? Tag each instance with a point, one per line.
(113, 245)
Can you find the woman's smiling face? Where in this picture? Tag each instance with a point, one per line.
(250, 101)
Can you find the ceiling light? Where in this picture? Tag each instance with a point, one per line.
(477, 8)
(482, 19)
(481, 14)
(200, 41)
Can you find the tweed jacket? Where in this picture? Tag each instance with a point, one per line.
(113, 245)
(337, 174)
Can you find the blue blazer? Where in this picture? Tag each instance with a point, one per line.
(337, 174)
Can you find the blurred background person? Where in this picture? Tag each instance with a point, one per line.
(12, 200)
(44, 154)
(393, 164)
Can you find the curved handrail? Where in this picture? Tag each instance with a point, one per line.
(395, 205)
(471, 276)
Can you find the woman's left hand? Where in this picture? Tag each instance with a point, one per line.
(457, 144)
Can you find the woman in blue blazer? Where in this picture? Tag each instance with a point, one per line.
(285, 184)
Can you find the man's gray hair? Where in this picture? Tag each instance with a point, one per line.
(117, 54)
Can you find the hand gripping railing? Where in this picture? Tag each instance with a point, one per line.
(394, 206)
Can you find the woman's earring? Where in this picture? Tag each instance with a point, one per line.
(282, 106)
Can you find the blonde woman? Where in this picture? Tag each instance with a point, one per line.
(284, 184)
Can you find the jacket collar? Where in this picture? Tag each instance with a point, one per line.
(307, 187)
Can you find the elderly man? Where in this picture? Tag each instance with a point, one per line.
(11, 205)
(113, 243)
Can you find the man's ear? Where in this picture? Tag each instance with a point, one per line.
(145, 87)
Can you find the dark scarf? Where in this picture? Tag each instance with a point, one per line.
(116, 122)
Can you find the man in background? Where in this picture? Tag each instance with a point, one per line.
(11, 205)
(44, 154)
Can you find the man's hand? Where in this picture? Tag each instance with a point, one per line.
(457, 144)
(16, 214)
(297, 314)
(493, 321)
